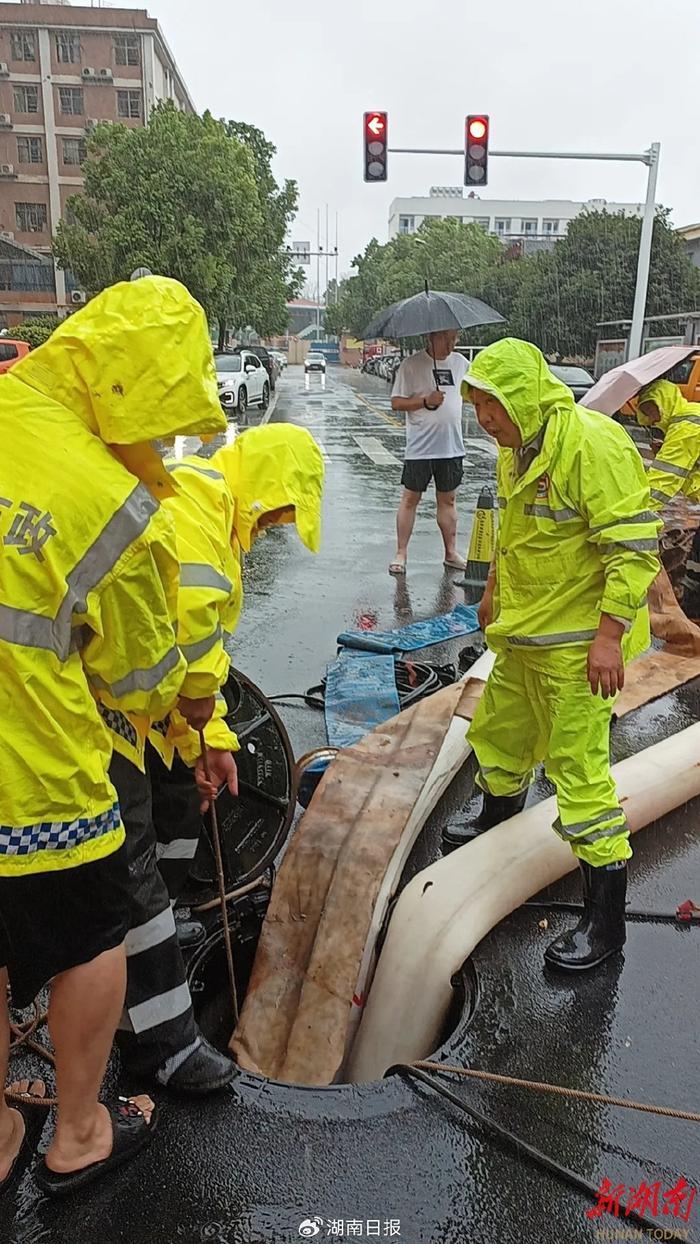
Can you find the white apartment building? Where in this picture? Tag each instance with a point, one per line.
(510, 219)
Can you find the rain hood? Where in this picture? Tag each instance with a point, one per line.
(135, 365)
(516, 374)
(669, 400)
(275, 467)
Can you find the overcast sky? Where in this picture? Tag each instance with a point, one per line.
(604, 75)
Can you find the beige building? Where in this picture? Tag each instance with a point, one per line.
(62, 68)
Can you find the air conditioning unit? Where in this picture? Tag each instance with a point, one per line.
(4, 69)
(5, 121)
(106, 74)
(7, 235)
(7, 170)
(78, 296)
(89, 73)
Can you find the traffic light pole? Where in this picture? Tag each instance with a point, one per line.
(650, 158)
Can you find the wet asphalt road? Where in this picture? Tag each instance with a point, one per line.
(249, 1167)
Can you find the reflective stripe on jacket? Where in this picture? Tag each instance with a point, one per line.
(577, 535)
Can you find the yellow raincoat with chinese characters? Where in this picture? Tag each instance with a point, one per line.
(88, 572)
(277, 471)
(577, 538)
(676, 467)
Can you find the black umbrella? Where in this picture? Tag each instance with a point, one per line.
(430, 312)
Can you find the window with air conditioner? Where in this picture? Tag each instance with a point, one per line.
(31, 217)
(68, 48)
(23, 45)
(30, 151)
(25, 99)
(127, 50)
(74, 151)
(129, 104)
(70, 100)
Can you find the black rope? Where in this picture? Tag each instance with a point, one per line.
(519, 1146)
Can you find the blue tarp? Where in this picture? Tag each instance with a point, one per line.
(360, 694)
(462, 620)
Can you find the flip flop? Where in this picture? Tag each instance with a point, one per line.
(35, 1116)
(396, 568)
(455, 565)
(131, 1133)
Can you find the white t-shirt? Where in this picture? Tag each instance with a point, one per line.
(433, 433)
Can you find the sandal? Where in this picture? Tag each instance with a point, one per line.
(130, 1132)
(35, 1114)
(397, 568)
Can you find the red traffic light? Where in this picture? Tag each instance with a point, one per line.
(376, 128)
(476, 150)
(375, 124)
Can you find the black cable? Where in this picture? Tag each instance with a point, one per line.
(521, 1147)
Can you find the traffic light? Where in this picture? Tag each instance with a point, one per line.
(476, 150)
(376, 137)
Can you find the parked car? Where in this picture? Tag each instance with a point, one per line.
(242, 381)
(575, 378)
(281, 359)
(11, 352)
(315, 362)
(267, 361)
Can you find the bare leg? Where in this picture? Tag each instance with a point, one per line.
(85, 1006)
(405, 520)
(447, 522)
(11, 1121)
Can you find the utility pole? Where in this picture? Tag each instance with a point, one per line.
(318, 272)
(650, 158)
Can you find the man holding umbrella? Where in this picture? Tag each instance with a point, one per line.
(427, 388)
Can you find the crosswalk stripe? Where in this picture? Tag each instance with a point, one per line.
(375, 451)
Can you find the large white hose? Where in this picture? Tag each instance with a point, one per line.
(448, 908)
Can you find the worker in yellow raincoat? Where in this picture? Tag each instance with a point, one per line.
(269, 475)
(676, 467)
(564, 609)
(88, 597)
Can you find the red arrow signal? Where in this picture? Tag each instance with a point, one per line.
(376, 125)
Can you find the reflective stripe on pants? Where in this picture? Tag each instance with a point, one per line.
(691, 580)
(158, 1007)
(529, 714)
(176, 817)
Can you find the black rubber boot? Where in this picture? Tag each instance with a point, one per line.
(601, 931)
(494, 809)
(205, 1071)
(190, 932)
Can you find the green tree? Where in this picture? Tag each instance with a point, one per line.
(35, 331)
(589, 276)
(187, 197)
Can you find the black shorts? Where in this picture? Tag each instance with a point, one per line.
(418, 472)
(53, 921)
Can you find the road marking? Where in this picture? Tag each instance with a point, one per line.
(398, 423)
(375, 451)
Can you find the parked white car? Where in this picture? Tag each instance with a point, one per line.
(242, 381)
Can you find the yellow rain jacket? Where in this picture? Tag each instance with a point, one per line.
(216, 511)
(577, 536)
(88, 572)
(677, 465)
